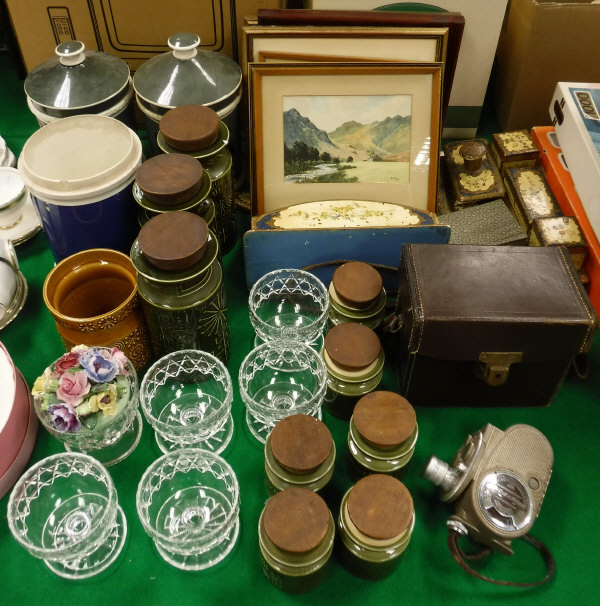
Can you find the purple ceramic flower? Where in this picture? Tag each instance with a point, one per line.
(63, 417)
(98, 365)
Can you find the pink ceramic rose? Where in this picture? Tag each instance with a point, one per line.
(72, 386)
(119, 358)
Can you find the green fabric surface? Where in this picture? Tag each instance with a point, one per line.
(568, 522)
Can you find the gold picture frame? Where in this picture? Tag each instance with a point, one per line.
(384, 135)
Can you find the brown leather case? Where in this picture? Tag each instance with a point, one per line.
(489, 325)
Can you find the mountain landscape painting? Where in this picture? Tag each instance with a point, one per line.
(346, 139)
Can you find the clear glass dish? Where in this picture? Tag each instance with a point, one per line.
(186, 396)
(288, 304)
(188, 502)
(64, 510)
(278, 379)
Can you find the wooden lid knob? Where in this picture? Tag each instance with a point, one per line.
(357, 284)
(174, 240)
(169, 179)
(352, 346)
(190, 127)
(473, 153)
(380, 507)
(296, 520)
(300, 443)
(384, 418)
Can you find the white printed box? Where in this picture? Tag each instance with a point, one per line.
(575, 113)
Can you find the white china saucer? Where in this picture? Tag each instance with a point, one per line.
(26, 227)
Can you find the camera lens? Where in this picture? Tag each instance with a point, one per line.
(440, 473)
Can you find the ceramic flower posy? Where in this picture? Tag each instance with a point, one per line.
(82, 387)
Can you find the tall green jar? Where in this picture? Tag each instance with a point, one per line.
(197, 131)
(183, 300)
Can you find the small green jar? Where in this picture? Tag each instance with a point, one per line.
(296, 534)
(172, 183)
(299, 451)
(183, 298)
(354, 360)
(375, 525)
(356, 294)
(382, 435)
(196, 130)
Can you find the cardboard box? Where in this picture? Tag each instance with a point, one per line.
(543, 42)
(134, 30)
(561, 183)
(483, 21)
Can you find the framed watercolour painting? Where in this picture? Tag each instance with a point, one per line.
(353, 131)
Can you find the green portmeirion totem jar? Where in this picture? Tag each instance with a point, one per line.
(299, 451)
(296, 534)
(172, 182)
(382, 435)
(196, 130)
(375, 525)
(354, 359)
(180, 284)
(356, 294)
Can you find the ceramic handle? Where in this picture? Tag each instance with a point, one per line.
(7, 252)
(71, 53)
(184, 45)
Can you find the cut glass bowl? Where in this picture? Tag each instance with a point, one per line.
(188, 502)
(288, 304)
(64, 510)
(186, 396)
(278, 379)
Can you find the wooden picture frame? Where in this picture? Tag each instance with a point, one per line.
(455, 22)
(412, 45)
(382, 144)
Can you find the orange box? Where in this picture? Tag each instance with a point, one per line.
(562, 186)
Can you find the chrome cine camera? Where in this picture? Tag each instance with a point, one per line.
(498, 480)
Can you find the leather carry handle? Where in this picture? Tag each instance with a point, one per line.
(460, 556)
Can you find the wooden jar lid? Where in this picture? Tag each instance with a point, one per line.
(380, 507)
(190, 127)
(174, 240)
(357, 284)
(472, 153)
(352, 346)
(296, 520)
(300, 443)
(170, 178)
(384, 418)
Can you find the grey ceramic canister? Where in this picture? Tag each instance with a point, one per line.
(80, 81)
(189, 75)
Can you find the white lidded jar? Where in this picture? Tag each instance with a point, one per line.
(79, 171)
